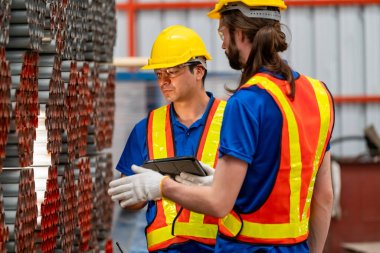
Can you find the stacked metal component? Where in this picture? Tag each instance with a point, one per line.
(102, 30)
(103, 205)
(106, 166)
(71, 113)
(85, 106)
(68, 215)
(55, 106)
(48, 219)
(85, 198)
(98, 202)
(78, 110)
(5, 103)
(25, 115)
(56, 116)
(57, 23)
(75, 28)
(109, 30)
(4, 231)
(20, 208)
(103, 88)
(5, 15)
(27, 28)
(110, 105)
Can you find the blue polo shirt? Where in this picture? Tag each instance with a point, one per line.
(186, 140)
(250, 117)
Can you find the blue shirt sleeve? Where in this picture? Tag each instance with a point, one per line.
(135, 149)
(239, 133)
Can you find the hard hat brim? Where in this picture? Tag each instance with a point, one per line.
(164, 65)
(215, 13)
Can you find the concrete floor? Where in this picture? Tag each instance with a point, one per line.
(128, 230)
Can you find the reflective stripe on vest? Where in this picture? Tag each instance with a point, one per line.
(161, 145)
(295, 229)
(192, 224)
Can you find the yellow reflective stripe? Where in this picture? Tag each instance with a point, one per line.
(269, 231)
(159, 235)
(199, 230)
(195, 227)
(196, 218)
(294, 147)
(324, 114)
(159, 134)
(265, 231)
(210, 149)
(160, 151)
(232, 224)
(212, 140)
(169, 210)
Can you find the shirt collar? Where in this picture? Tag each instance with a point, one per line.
(199, 122)
(278, 76)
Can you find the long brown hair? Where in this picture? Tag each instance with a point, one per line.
(267, 41)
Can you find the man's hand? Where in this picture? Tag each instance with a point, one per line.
(190, 179)
(143, 186)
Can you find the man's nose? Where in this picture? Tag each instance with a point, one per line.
(164, 80)
(223, 45)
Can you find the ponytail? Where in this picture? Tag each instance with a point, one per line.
(267, 41)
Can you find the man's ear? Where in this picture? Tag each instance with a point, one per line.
(239, 35)
(200, 72)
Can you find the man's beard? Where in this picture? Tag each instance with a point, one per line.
(233, 56)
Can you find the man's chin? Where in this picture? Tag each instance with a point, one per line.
(235, 65)
(169, 98)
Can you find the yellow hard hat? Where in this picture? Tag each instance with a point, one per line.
(215, 13)
(176, 45)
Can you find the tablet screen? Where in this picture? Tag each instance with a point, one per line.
(174, 166)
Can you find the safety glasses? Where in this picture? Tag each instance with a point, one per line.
(220, 32)
(174, 71)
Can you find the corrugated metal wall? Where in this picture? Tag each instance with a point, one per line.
(338, 45)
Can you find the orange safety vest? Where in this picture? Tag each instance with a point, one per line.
(284, 216)
(173, 224)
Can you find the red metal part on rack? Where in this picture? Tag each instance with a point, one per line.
(68, 217)
(49, 212)
(23, 207)
(109, 248)
(5, 103)
(85, 199)
(27, 107)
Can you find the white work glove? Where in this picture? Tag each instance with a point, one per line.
(143, 186)
(190, 179)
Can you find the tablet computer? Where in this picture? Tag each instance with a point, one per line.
(175, 165)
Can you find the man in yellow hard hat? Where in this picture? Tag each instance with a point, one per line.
(188, 126)
(272, 184)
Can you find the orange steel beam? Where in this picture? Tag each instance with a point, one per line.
(166, 5)
(356, 99)
(329, 2)
(131, 24)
